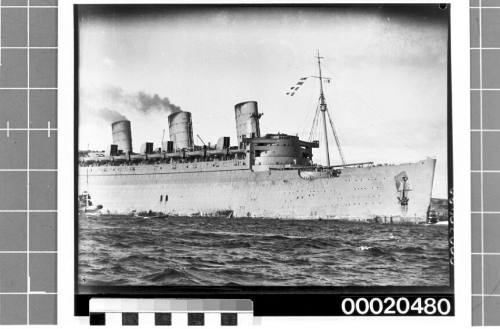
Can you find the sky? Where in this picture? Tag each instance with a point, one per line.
(387, 64)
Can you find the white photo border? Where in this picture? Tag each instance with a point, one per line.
(460, 74)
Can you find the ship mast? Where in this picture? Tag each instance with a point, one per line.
(323, 108)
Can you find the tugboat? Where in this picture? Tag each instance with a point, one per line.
(86, 206)
(432, 217)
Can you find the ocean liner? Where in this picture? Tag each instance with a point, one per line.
(263, 176)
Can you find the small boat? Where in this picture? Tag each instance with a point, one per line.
(442, 223)
(86, 205)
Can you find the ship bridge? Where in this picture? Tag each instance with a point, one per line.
(278, 151)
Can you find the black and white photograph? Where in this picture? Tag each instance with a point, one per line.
(263, 145)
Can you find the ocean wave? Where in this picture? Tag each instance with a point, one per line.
(245, 261)
(193, 251)
(230, 243)
(138, 258)
(121, 245)
(374, 251)
(170, 276)
(414, 249)
(244, 234)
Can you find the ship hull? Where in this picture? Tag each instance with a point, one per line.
(232, 188)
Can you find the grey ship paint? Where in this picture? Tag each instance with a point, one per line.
(270, 176)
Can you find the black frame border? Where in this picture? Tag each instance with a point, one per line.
(268, 300)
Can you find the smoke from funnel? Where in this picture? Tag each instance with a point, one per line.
(147, 103)
(111, 115)
(102, 105)
(128, 103)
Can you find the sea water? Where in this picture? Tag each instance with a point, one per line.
(132, 250)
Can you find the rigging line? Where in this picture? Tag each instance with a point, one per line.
(313, 126)
(335, 135)
(314, 123)
(312, 114)
(305, 124)
(317, 132)
(337, 141)
(311, 131)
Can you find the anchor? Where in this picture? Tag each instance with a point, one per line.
(402, 185)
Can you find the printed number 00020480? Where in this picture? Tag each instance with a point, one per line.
(392, 306)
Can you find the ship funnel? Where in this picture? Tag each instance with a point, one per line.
(247, 121)
(180, 129)
(122, 135)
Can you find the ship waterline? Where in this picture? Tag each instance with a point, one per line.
(235, 189)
